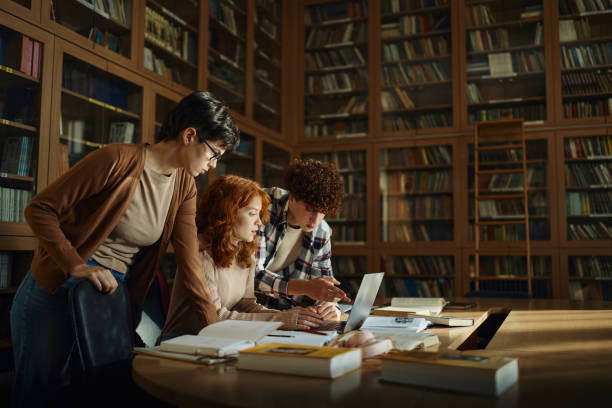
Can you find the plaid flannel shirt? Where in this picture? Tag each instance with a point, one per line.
(313, 261)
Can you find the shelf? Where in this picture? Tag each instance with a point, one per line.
(227, 28)
(517, 75)
(168, 52)
(17, 125)
(590, 278)
(528, 20)
(506, 101)
(508, 49)
(418, 109)
(588, 95)
(19, 74)
(416, 35)
(509, 162)
(417, 193)
(266, 108)
(430, 219)
(234, 6)
(225, 85)
(99, 103)
(585, 14)
(336, 68)
(268, 14)
(417, 167)
(226, 60)
(591, 187)
(81, 141)
(267, 36)
(407, 276)
(424, 10)
(587, 158)
(7, 291)
(588, 40)
(103, 14)
(273, 63)
(267, 83)
(335, 22)
(578, 216)
(416, 59)
(417, 84)
(586, 68)
(336, 45)
(10, 176)
(331, 116)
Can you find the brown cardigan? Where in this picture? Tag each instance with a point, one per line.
(75, 214)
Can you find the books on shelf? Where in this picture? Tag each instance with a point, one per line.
(17, 155)
(220, 339)
(315, 361)
(13, 202)
(121, 132)
(22, 53)
(451, 371)
(6, 260)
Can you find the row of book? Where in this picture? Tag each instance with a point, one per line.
(337, 82)
(590, 290)
(336, 35)
(396, 6)
(265, 25)
(119, 10)
(589, 231)
(336, 11)
(231, 80)
(161, 67)
(512, 266)
(418, 208)
(479, 15)
(587, 109)
(334, 58)
(224, 14)
(473, 93)
(511, 182)
(598, 174)
(21, 52)
(419, 121)
(414, 25)
(421, 156)
(17, 155)
(512, 208)
(349, 265)
(590, 266)
(169, 36)
(541, 288)
(583, 6)
(418, 265)
(434, 46)
(402, 74)
(586, 82)
(80, 78)
(353, 209)
(5, 269)
(589, 203)
(349, 232)
(13, 203)
(576, 56)
(400, 232)
(106, 39)
(539, 230)
(354, 182)
(572, 30)
(395, 99)
(529, 112)
(350, 160)
(335, 128)
(499, 38)
(421, 287)
(588, 147)
(416, 181)
(536, 150)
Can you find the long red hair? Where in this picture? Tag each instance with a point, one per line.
(216, 215)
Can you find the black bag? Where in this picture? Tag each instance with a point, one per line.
(102, 325)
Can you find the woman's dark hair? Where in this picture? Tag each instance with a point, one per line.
(316, 183)
(209, 116)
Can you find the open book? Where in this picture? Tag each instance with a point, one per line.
(221, 339)
(420, 305)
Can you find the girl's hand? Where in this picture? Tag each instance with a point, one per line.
(101, 278)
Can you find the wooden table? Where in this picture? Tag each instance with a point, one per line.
(564, 350)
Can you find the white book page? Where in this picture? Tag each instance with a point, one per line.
(299, 337)
(398, 324)
(240, 329)
(204, 345)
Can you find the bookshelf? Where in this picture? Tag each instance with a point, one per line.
(589, 275)
(336, 70)
(505, 61)
(267, 63)
(417, 193)
(350, 225)
(585, 38)
(275, 160)
(106, 27)
(227, 48)
(26, 9)
(587, 188)
(171, 41)
(349, 270)
(417, 88)
(240, 162)
(415, 273)
(98, 103)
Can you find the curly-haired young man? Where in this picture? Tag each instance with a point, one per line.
(294, 256)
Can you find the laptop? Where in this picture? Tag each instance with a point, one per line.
(370, 283)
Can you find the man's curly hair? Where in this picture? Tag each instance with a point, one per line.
(316, 183)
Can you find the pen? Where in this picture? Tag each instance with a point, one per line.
(279, 335)
(314, 332)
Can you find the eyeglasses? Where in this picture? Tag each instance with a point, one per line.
(216, 154)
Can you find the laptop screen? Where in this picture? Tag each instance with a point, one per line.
(364, 300)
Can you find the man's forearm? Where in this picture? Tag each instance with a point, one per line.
(296, 287)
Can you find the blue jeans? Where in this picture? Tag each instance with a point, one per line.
(43, 340)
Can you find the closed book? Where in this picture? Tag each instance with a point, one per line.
(451, 371)
(220, 339)
(314, 361)
(432, 305)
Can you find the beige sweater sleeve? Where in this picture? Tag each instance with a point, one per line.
(247, 308)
